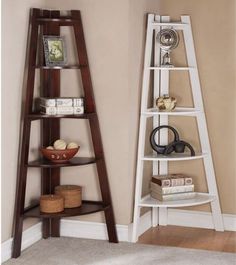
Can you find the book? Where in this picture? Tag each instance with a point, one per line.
(172, 180)
(172, 197)
(171, 190)
(60, 102)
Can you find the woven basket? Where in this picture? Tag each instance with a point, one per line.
(51, 203)
(72, 195)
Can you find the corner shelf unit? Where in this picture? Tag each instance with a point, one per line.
(45, 22)
(160, 74)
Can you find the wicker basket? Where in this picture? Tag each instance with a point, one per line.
(72, 195)
(51, 203)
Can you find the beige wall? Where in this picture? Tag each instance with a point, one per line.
(114, 33)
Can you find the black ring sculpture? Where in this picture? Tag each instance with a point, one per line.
(177, 145)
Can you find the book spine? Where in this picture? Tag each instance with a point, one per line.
(78, 102)
(65, 110)
(78, 110)
(48, 110)
(64, 102)
(47, 102)
(162, 182)
(173, 197)
(177, 182)
(171, 190)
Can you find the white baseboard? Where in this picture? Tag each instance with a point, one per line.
(29, 237)
(92, 230)
(199, 219)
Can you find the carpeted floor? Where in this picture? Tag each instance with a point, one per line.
(74, 251)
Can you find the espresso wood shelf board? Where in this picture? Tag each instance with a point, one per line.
(38, 116)
(199, 198)
(85, 208)
(60, 67)
(173, 157)
(156, 83)
(48, 23)
(162, 68)
(75, 161)
(178, 111)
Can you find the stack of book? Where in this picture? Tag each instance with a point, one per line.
(61, 106)
(172, 187)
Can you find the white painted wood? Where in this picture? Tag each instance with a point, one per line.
(163, 134)
(142, 127)
(200, 198)
(173, 157)
(156, 121)
(160, 162)
(163, 68)
(202, 125)
(178, 111)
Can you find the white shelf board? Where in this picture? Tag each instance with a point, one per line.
(176, 25)
(200, 198)
(173, 157)
(162, 68)
(176, 112)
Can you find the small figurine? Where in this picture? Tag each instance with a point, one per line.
(166, 103)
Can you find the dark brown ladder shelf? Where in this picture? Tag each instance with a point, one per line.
(45, 22)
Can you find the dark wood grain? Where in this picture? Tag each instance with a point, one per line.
(37, 116)
(45, 125)
(24, 145)
(75, 161)
(85, 208)
(50, 23)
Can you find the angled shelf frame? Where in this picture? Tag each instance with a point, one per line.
(48, 22)
(153, 55)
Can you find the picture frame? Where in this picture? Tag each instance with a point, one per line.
(54, 50)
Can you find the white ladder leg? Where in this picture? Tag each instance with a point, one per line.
(142, 127)
(164, 89)
(156, 122)
(202, 126)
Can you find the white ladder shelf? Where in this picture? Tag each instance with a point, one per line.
(160, 162)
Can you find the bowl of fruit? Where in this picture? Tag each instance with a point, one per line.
(60, 151)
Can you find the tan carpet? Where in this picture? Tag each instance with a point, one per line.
(74, 251)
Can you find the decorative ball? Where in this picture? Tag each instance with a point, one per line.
(166, 103)
(50, 147)
(59, 144)
(72, 145)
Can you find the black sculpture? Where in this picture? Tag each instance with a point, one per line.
(177, 145)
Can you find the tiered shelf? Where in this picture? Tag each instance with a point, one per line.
(173, 157)
(176, 112)
(163, 68)
(75, 161)
(87, 207)
(200, 198)
(38, 116)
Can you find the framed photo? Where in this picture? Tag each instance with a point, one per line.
(54, 50)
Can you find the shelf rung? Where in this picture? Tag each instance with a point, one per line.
(173, 157)
(179, 111)
(87, 207)
(199, 198)
(163, 68)
(176, 25)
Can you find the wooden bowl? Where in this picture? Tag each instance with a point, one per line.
(59, 156)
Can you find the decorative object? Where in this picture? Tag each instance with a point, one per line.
(169, 40)
(59, 144)
(171, 180)
(177, 145)
(72, 145)
(59, 156)
(60, 106)
(51, 203)
(54, 50)
(72, 195)
(166, 103)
